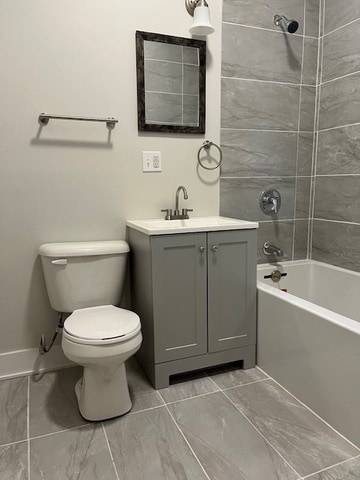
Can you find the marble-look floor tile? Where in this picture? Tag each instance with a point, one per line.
(142, 393)
(256, 153)
(81, 454)
(278, 57)
(337, 244)
(148, 445)
(53, 403)
(250, 104)
(226, 444)
(14, 462)
(187, 386)
(304, 440)
(349, 470)
(13, 410)
(230, 376)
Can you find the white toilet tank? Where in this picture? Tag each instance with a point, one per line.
(84, 274)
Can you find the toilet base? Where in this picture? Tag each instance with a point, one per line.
(103, 393)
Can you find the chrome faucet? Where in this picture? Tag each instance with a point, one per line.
(184, 215)
(271, 249)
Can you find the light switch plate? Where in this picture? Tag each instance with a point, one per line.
(151, 161)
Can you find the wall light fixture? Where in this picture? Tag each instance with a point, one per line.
(199, 9)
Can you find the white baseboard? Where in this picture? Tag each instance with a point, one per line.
(27, 362)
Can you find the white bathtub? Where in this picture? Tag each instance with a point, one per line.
(309, 338)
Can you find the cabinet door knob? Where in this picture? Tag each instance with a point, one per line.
(202, 249)
(214, 248)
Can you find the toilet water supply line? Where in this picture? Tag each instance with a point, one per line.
(42, 347)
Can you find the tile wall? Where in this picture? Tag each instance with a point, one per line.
(336, 212)
(267, 118)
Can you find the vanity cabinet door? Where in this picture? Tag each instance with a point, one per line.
(179, 296)
(231, 289)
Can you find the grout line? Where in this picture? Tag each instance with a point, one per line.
(314, 413)
(260, 433)
(332, 466)
(195, 396)
(245, 384)
(338, 127)
(326, 82)
(263, 130)
(146, 409)
(293, 84)
(279, 31)
(187, 442)
(28, 425)
(269, 176)
(335, 221)
(111, 455)
(338, 28)
(60, 431)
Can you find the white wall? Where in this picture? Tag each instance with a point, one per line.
(65, 182)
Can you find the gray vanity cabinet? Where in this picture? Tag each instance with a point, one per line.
(195, 294)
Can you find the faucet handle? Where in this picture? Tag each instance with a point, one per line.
(168, 213)
(185, 212)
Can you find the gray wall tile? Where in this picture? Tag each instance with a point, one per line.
(261, 13)
(307, 115)
(312, 18)
(303, 185)
(239, 197)
(338, 13)
(310, 61)
(191, 110)
(162, 107)
(335, 198)
(304, 164)
(337, 244)
(191, 55)
(301, 239)
(278, 57)
(339, 102)
(256, 153)
(191, 80)
(163, 51)
(165, 77)
(247, 104)
(279, 233)
(341, 52)
(339, 151)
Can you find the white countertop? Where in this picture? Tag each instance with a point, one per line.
(159, 226)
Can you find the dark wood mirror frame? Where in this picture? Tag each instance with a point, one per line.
(140, 67)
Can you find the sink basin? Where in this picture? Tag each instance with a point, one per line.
(158, 226)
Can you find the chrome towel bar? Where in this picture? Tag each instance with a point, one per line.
(45, 117)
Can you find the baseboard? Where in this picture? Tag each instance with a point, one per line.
(27, 362)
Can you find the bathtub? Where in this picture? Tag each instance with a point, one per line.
(309, 338)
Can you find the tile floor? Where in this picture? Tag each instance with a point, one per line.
(224, 424)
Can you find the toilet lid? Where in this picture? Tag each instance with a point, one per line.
(105, 324)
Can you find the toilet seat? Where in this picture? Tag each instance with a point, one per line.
(101, 325)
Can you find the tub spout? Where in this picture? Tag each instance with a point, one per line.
(271, 249)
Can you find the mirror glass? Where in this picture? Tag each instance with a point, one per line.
(171, 83)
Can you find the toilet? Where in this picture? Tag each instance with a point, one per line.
(86, 280)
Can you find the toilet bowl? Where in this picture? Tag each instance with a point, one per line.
(101, 339)
(85, 279)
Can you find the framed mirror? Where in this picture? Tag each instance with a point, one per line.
(171, 74)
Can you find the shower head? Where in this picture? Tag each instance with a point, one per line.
(290, 26)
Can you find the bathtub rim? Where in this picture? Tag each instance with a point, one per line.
(324, 313)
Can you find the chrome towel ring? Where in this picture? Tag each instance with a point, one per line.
(206, 146)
